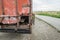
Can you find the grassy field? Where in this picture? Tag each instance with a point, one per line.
(49, 13)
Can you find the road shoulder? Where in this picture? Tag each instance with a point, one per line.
(54, 22)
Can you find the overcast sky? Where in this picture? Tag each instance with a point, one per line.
(46, 5)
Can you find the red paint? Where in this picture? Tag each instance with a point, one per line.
(0, 7)
(21, 9)
(10, 7)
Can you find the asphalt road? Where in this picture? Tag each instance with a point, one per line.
(40, 31)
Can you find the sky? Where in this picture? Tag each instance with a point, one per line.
(46, 5)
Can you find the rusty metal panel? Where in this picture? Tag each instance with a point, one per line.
(1, 12)
(13, 7)
(10, 10)
(1, 7)
(19, 2)
(9, 7)
(23, 6)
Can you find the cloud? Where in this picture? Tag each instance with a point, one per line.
(46, 5)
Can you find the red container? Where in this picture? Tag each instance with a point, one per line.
(13, 8)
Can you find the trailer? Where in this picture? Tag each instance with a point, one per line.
(16, 16)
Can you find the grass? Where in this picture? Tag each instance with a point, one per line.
(49, 13)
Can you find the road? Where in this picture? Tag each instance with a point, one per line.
(40, 31)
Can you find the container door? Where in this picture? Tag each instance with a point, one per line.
(9, 7)
(23, 6)
(10, 10)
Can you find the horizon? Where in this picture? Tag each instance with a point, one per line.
(46, 5)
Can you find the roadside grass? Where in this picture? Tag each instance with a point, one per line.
(49, 13)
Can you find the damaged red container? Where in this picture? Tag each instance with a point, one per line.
(16, 16)
(14, 8)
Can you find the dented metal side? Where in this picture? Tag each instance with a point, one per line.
(1, 11)
(23, 6)
(14, 8)
(0, 7)
(9, 7)
(9, 10)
